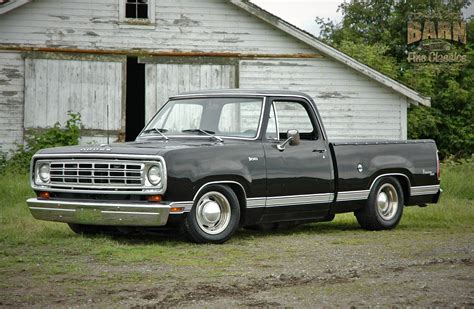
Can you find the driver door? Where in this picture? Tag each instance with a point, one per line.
(300, 180)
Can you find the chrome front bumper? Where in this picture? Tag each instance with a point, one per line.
(99, 213)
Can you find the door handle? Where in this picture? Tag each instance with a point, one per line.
(320, 150)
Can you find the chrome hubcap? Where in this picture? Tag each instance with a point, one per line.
(213, 212)
(387, 202)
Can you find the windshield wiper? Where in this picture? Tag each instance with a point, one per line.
(159, 131)
(205, 132)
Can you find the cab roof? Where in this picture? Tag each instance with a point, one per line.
(242, 92)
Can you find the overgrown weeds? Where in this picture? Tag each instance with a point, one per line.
(58, 135)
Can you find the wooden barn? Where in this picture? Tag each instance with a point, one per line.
(117, 61)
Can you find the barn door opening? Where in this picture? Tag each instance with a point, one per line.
(135, 102)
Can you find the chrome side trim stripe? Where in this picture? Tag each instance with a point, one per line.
(278, 201)
(424, 190)
(256, 202)
(353, 195)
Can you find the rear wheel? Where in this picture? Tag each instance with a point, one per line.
(384, 207)
(215, 216)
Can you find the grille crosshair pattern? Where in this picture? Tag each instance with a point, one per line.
(97, 173)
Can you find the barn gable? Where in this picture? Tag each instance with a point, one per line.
(84, 57)
(185, 26)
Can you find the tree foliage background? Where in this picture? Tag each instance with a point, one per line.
(375, 33)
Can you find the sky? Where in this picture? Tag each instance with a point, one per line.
(302, 12)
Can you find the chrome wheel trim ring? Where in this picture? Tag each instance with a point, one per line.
(387, 202)
(213, 213)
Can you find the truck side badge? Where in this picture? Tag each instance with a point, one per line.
(253, 159)
(360, 168)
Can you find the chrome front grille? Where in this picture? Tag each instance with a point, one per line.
(104, 173)
(121, 174)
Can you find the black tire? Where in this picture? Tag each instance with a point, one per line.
(85, 229)
(384, 208)
(206, 225)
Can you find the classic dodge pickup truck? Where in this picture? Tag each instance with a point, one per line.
(211, 162)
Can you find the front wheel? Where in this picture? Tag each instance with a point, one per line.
(384, 207)
(214, 217)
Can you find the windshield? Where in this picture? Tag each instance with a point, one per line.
(225, 117)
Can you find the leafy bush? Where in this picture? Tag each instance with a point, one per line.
(55, 136)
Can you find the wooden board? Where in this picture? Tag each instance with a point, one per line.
(55, 87)
(12, 73)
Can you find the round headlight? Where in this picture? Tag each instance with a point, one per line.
(154, 175)
(43, 172)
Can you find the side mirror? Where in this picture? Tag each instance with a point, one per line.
(293, 139)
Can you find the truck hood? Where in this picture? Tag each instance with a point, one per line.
(142, 147)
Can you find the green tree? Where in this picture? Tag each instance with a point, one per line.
(375, 31)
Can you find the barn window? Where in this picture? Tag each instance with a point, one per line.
(137, 12)
(136, 9)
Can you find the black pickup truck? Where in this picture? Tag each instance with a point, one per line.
(211, 162)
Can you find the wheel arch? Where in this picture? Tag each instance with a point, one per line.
(238, 189)
(402, 177)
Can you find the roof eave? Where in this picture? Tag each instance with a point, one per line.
(10, 6)
(413, 96)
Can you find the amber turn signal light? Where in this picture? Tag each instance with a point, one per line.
(154, 198)
(176, 209)
(44, 195)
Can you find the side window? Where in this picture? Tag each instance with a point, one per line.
(293, 115)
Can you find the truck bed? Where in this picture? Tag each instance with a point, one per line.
(358, 163)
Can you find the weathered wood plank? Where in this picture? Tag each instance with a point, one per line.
(55, 87)
(11, 100)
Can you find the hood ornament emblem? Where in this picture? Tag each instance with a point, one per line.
(101, 148)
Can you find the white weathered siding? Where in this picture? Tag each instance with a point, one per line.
(351, 105)
(184, 25)
(11, 100)
(165, 80)
(54, 87)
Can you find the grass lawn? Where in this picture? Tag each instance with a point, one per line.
(34, 252)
